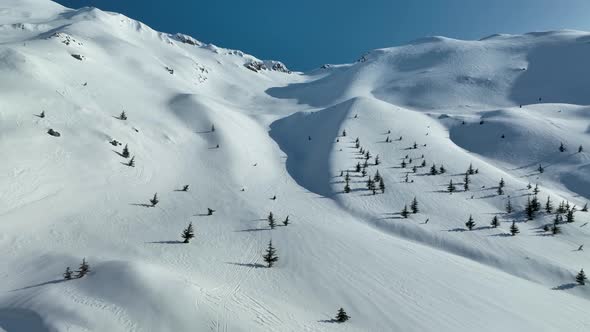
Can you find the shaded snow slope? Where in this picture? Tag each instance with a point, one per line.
(281, 134)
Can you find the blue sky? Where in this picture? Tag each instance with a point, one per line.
(305, 34)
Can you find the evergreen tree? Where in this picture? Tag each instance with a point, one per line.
(370, 184)
(415, 146)
(131, 162)
(403, 164)
(68, 274)
(514, 229)
(581, 277)
(42, 115)
(470, 223)
(569, 217)
(528, 186)
(123, 116)
(342, 316)
(365, 164)
(424, 164)
(367, 155)
(530, 211)
(405, 212)
(414, 206)
(387, 140)
(154, 200)
(344, 133)
(83, 269)
(536, 190)
(561, 147)
(470, 170)
(407, 178)
(125, 152)
(347, 187)
(442, 169)
(270, 257)
(210, 211)
(508, 207)
(377, 160)
(433, 170)
(188, 233)
(185, 187)
(451, 187)
(286, 221)
(495, 222)
(358, 167)
(466, 182)
(347, 177)
(377, 177)
(364, 172)
(271, 221)
(585, 208)
(557, 219)
(541, 169)
(500, 191)
(212, 128)
(382, 185)
(548, 205)
(502, 183)
(535, 203)
(580, 149)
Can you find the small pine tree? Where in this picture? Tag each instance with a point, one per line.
(212, 128)
(433, 170)
(347, 187)
(370, 184)
(210, 211)
(536, 190)
(495, 222)
(271, 221)
(451, 187)
(500, 191)
(502, 183)
(536, 204)
(286, 221)
(442, 169)
(530, 211)
(123, 116)
(68, 274)
(358, 167)
(131, 162)
(188, 233)
(377, 177)
(585, 208)
(561, 147)
(407, 179)
(344, 133)
(125, 152)
(414, 206)
(514, 229)
(154, 200)
(403, 164)
(508, 206)
(555, 229)
(569, 217)
(270, 257)
(364, 172)
(185, 188)
(470, 223)
(466, 182)
(424, 164)
(83, 269)
(548, 205)
(580, 149)
(405, 212)
(541, 169)
(382, 185)
(528, 186)
(470, 170)
(42, 115)
(377, 160)
(581, 277)
(342, 316)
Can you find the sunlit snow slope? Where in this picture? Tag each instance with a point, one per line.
(503, 104)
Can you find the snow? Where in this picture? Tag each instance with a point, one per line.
(71, 197)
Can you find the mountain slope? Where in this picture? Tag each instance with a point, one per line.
(280, 134)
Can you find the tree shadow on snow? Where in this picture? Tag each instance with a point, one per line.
(457, 230)
(502, 235)
(252, 230)
(253, 265)
(327, 321)
(57, 281)
(166, 242)
(119, 153)
(142, 204)
(565, 286)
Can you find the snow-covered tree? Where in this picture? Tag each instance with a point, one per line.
(125, 152)
(83, 270)
(548, 205)
(271, 221)
(451, 186)
(495, 222)
(414, 205)
(581, 277)
(514, 229)
(405, 213)
(470, 223)
(154, 200)
(68, 274)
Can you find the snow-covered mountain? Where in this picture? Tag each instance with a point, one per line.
(503, 104)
